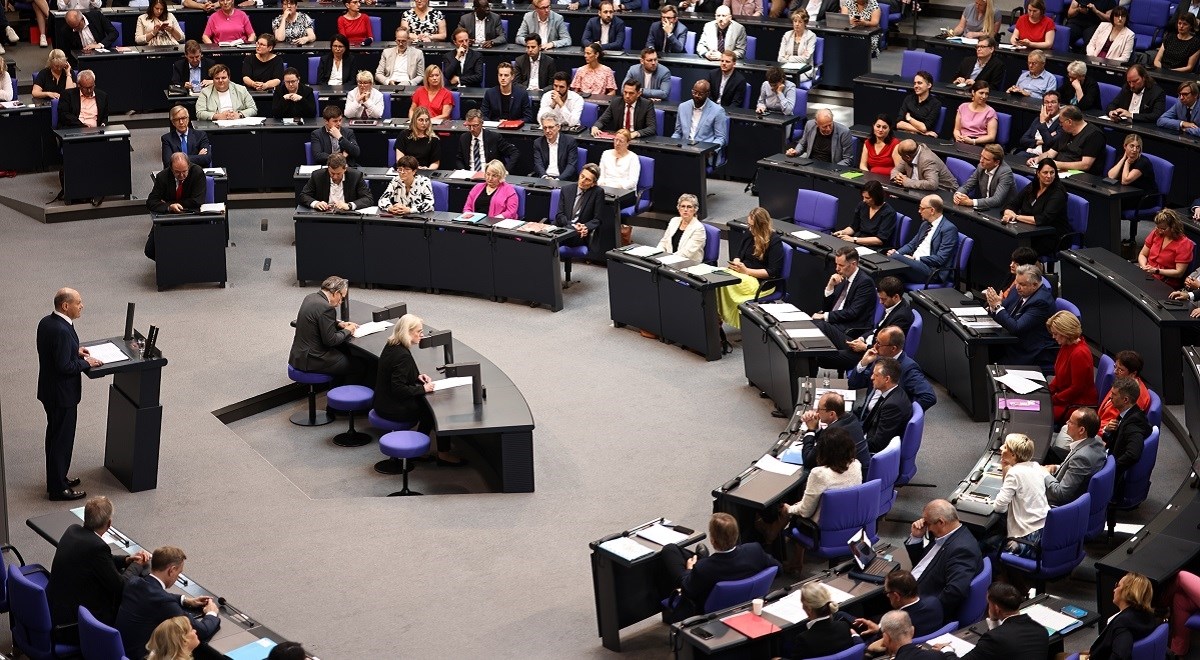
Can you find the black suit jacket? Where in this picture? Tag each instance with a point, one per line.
(1028, 323)
(848, 422)
(398, 388)
(494, 147)
(825, 637)
(181, 70)
(589, 211)
(918, 652)
(519, 105)
(325, 68)
(948, 576)
(354, 190)
(162, 195)
(1018, 637)
(616, 33)
(144, 605)
(887, 420)
(59, 364)
(305, 108)
(317, 335)
(69, 105)
(1154, 102)
(568, 157)
(546, 70)
(1125, 442)
(901, 316)
(613, 118)
(856, 315)
(1116, 642)
(322, 146)
(102, 30)
(84, 572)
(735, 89)
(741, 562)
(926, 615)
(470, 73)
(196, 140)
(993, 71)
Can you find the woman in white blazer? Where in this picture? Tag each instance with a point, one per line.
(1118, 32)
(685, 233)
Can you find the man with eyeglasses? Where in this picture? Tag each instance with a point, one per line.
(944, 555)
(581, 207)
(934, 245)
(1140, 100)
(1184, 115)
(178, 188)
(890, 344)
(477, 147)
(401, 65)
(1043, 131)
(668, 35)
(900, 589)
(831, 413)
(547, 24)
(722, 34)
(555, 156)
(983, 66)
(191, 72)
(85, 31)
(1080, 145)
(83, 105)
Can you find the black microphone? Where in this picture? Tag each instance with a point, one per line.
(235, 612)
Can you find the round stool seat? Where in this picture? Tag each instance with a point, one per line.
(351, 398)
(404, 444)
(308, 377)
(387, 424)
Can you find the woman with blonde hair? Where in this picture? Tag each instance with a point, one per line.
(1023, 496)
(495, 197)
(432, 95)
(760, 258)
(1074, 382)
(1134, 620)
(824, 634)
(173, 639)
(1167, 253)
(979, 19)
(52, 81)
(620, 167)
(420, 141)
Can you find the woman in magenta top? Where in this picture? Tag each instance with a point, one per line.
(494, 196)
(1034, 29)
(879, 153)
(1074, 382)
(976, 122)
(432, 95)
(228, 24)
(354, 24)
(1167, 252)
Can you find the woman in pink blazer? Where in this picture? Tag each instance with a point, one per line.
(499, 197)
(1113, 41)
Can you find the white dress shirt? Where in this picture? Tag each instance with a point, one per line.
(924, 249)
(552, 166)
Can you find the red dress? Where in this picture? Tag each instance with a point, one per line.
(881, 162)
(1074, 382)
(1034, 33)
(357, 31)
(1179, 251)
(440, 100)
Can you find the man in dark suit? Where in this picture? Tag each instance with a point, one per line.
(483, 26)
(85, 572)
(580, 205)
(630, 111)
(900, 589)
(1152, 101)
(934, 246)
(982, 66)
(831, 413)
(1024, 313)
(668, 35)
(1015, 635)
(1125, 442)
(896, 637)
(534, 58)
(506, 101)
(336, 188)
(946, 562)
(463, 65)
(83, 105)
(147, 603)
(178, 188)
(605, 29)
(849, 295)
(990, 183)
(191, 72)
(318, 342)
(186, 139)
(60, 362)
(477, 147)
(728, 85)
(1087, 455)
(333, 139)
(564, 165)
(695, 575)
(896, 311)
(890, 344)
(85, 31)
(886, 408)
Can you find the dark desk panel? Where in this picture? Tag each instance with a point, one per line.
(775, 362)
(189, 248)
(83, 149)
(29, 141)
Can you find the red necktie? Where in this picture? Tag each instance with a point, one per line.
(179, 191)
(628, 118)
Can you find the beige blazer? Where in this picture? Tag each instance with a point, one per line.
(691, 244)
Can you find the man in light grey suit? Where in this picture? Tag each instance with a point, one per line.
(710, 127)
(655, 77)
(991, 182)
(1066, 482)
(401, 65)
(721, 35)
(920, 168)
(824, 140)
(549, 25)
(484, 26)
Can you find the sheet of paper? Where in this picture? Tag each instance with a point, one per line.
(491, 124)
(308, 169)
(838, 595)
(982, 324)
(470, 217)
(700, 270)
(1029, 374)
(369, 210)
(1018, 384)
(968, 311)
(626, 548)
(447, 383)
(805, 333)
(656, 533)
(848, 395)
(789, 608)
(772, 464)
(220, 171)
(214, 207)
(862, 249)
(107, 353)
(1128, 528)
(509, 224)
(668, 259)
(774, 309)
(643, 251)
(257, 650)
(961, 646)
(806, 235)
(372, 327)
(792, 316)
(461, 174)
(244, 121)
(1054, 621)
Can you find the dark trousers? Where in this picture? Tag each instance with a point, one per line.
(60, 442)
(675, 560)
(845, 358)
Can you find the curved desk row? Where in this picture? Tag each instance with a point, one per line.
(774, 361)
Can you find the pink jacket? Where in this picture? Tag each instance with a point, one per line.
(504, 201)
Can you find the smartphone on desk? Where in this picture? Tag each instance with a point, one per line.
(702, 632)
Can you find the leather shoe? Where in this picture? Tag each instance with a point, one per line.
(67, 495)
(71, 483)
(701, 550)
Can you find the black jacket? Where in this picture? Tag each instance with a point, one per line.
(69, 106)
(741, 562)
(949, 574)
(1125, 442)
(470, 73)
(59, 363)
(546, 69)
(1116, 642)
(613, 118)
(84, 572)
(305, 108)
(180, 70)
(1154, 102)
(825, 637)
(993, 71)
(887, 420)
(102, 30)
(858, 312)
(325, 68)
(354, 191)
(399, 393)
(322, 146)
(849, 423)
(494, 147)
(568, 157)
(735, 89)
(144, 605)
(317, 335)
(162, 195)
(1018, 637)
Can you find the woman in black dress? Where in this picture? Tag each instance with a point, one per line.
(263, 71)
(874, 223)
(400, 387)
(1133, 169)
(420, 141)
(1043, 203)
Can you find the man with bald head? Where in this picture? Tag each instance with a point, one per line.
(85, 31)
(921, 169)
(700, 119)
(179, 188)
(60, 362)
(945, 556)
(825, 140)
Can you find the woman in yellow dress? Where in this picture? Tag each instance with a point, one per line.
(760, 258)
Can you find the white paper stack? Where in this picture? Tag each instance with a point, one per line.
(107, 353)
(772, 464)
(1053, 621)
(661, 535)
(805, 333)
(775, 309)
(789, 608)
(1018, 384)
(700, 270)
(806, 235)
(372, 327)
(447, 383)
(509, 224)
(214, 207)
(643, 251)
(668, 259)
(626, 548)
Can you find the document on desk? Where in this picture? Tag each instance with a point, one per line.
(862, 249)
(775, 309)
(838, 595)
(508, 224)
(968, 312)
(308, 169)
(700, 270)
(789, 608)
(371, 328)
(981, 324)
(256, 650)
(1018, 384)
(1027, 373)
(668, 259)
(961, 647)
(448, 383)
(772, 464)
(213, 207)
(460, 174)
(626, 548)
(784, 317)
(643, 251)
(805, 333)
(806, 235)
(244, 121)
(1055, 622)
(847, 395)
(661, 535)
(107, 353)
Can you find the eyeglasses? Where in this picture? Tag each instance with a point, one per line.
(687, 206)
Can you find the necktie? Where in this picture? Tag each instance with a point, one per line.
(183, 142)
(179, 191)
(923, 232)
(578, 206)
(629, 118)
(720, 41)
(1187, 116)
(841, 301)
(477, 150)
(987, 187)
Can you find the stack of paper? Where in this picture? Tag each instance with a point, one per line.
(847, 395)
(862, 249)
(968, 312)
(643, 251)
(308, 169)
(460, 174)
(1029, 374)
(700, 270)
(772, 464)
(1018, 384)
(961, 647)
(244, 121)
(775, 309)
(668, 259)
(784, 317)
(107, 353)
(661, 535)
(372, 327)
(789, 608)
(447, 383)
(1053, 621)
(806, 235)
(626, 548)
(213, 207)
(509, 224)
(805, 333)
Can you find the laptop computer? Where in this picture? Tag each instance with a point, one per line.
(870, 566)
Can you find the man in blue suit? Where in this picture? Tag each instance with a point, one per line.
(933, 247)
(849, 295)
(886, 407)
(1184, 116)
(506, 100)
(146, 603)
(60, 362)
(709, 127)
(697, 574)
(605, 29)
(831, 413)
(563, 164)
(667, 35)
(655, 77)
(1024, 313)
(890, 343)
(944, 555)
(900, 589)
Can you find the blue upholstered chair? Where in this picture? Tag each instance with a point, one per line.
(311, 379)
(948, 628)
(775, 288)
(98, 641)
(403, 445)
(36, 573)
(1146, 20)
(660, 120)
(1100, 488)
(628, 45)
(912, 340)
(818, 60)
(728, 593)
(388, 465)
(904, 230)
(675, 95)
(1064, 305)
(1151, 203)
(456, 108)
(975, 606)
(885, 467)
(441, 195)
(799, 109)
(814, 210)
(910, 443)
(712, 244)
(1062, 38)
(351, 399)
(856, 652)
(751, 48)
(591, 112)
(1105, 375)
(376, 27)
(308, 154)
(844, 511)
(961, 169)
(313, 64)
(1154, 411)
(32, 629)
(1108, 92)
(1003, 128)
(1136, 485)
(913, 61)
(1061, 547)
(210, 190)
(689, 42)
(520, 190)
(644, 186)
(120, 34)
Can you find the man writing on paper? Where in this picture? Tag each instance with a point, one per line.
(336, 188)
(319, 342)
(179, 188)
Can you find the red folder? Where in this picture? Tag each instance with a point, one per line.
(750, 624)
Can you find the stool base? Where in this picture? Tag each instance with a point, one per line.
(304, 418)
(392, 466)
(404, 493)
(352, 439)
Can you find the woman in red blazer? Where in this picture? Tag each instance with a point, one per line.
(1074, 382)
(495, 197)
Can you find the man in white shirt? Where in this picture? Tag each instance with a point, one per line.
(946, 561)
(336, 188)
(561, 102)
(1085, 456)
(401, 65)
(934, 245)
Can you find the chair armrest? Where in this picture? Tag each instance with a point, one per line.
(1037, 549)
(762, 284)
(6, 548)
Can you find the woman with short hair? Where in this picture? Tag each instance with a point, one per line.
(620, 167)
(495, 197)
(1078, 89)
(364, 101)
(262, 71)
(799, 45)
(685, 235)
(1034, 29)
(409, 192)
(1023, 496)
(355, 25)
(293, 27)
(335, 66)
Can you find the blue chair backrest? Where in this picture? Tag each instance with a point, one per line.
(914, 60)
(712, 244)
(308, 157)
(800, 108)
(313, 64)
(856, 652)
(387, 105)
(628, 38)
(555, 200)
(1154, 413)
(1100, 488)
(520, 201)
(1164, 174)
(183, 27)
(675, 95)
(1137, 477)
(317, 105)
(819, 57)
(815, 210)
(1062, 537)
(1003, 128)
(844, 511)
(1062, 38)
(456, 110)
(645, 177)
(210, 190)
(98, 641)
(391, 152)
(965, 245)
(504, 27)
(376, 27)
(1077, 216)
(591, 112)
(728, 593)
(748, 92)
(1108, 92)
(29, 615)
(948, 628)
(1053, 9)
(120, 34)
(1064, 305)
(1019, 182)
(912, 340)
(910, 443)
(904, 229)
(441, 195)
(885, 466)
(974, 607)
(1146, 18)
(1153, 645)
(54, 113)
(581, 156)
(689, 42)
(659, 119)
(961, 169)
(1105, 374)
(941, 120)
(751, 48)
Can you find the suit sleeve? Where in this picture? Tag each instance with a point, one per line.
(308, 194)
(110, 33)
(1157, 106)
(203, 160)
(154, 201)
(362, 194)
(508, 152)
(206, 105)
(890, 424)
(167, 149)
(486, 107)
(68, 110)
(319, 140)
(918, 388)
(571, 171)
(327, 326)
(474, 77)
(194, 194)
(1030, 319)
(985, 649)
(960, 567)
(539, 162)
(863, 298)
(739, 95)
(66, 361)
(206, 626)
(1003, 190)
(927, 174)
(348, 143)
(945, 251)
(1069, 478)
